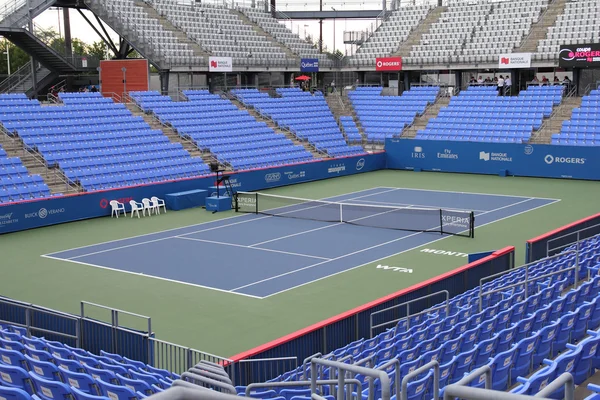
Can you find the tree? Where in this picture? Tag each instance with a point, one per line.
(18, 57)
(99, 50)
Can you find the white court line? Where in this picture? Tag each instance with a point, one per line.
(362, 250)
(415, 205)
(251, 248)
(204, 223)
(153, 277)
(202, 230)
(404, 251)
(474, 193)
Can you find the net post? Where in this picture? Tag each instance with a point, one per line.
(472, 224)
(341, 214)
(256, 202)
(441, 222)
(235, 202)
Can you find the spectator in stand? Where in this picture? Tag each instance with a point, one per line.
(535, 80)
(545, 80)
(556, 80)
(93, 89)
(507, 84)
(487, 80)
(472, 80)
(501, 85)
(566, 81)
(480, 80)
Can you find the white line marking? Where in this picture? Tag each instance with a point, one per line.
(198, 231)
(389, 203)
(251, 248)
(404, 251)
(474, 193)
(152, 276)
(361, 251)
(204, 223)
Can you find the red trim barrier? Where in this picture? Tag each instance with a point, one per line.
(337, 331)
(537, 247)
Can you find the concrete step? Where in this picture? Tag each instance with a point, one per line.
(415, 36)
(554, 124)
(539, 30)
(273, 125)
(260, 31)
(53, 177)
(421, 121)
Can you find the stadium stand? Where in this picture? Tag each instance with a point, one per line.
(513, 331)
(578, 24)
(163, 42)
(222, 32)
(393, 31)
(487, 117)
(306, 115)
(350, 129)
(280, 32)
(15, 182)
(386, 116)
(98, 143)
(446, 37)
(502, 30)
(235, 137)
(52, 370)
(582, 129)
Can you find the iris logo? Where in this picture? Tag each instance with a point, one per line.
(360, 164)
(418, 152)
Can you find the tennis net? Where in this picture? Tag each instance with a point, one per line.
(451, 222)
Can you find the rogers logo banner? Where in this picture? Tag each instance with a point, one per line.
(220, 64)
(388, 64)
(579, 55)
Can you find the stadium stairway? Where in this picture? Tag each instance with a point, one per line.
(415, 36)
(53, 177)
(188, 145)
(340, 106)
(271, 124)
(553, 125)
(261, 32)
(168, 26)
(421, 121)
(539, 30)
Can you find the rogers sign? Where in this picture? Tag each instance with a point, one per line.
(579, 55)
(388, 64)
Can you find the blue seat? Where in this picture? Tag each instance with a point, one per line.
(545, 344)
(13, 357)
(44, 369)
(115, 392)
(136, 384)
(11, 393)
(79, 395)
(501, 366)
(16, 377)
(524, 357)
(81, 381)
(50, 390)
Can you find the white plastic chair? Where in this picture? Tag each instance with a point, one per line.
(116, 207)
(136, 207)
(148, 206)
(158, 203)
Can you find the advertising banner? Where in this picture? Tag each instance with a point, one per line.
(514, 60)
(309, 65)
(549, 161)
(579, 55)
(56, 210)
(220, 64)
(388, 64)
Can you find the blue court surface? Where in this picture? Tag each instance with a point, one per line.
(259, 256)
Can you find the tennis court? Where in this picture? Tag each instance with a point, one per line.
(260, 256)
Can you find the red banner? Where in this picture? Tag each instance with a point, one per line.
(388, 64)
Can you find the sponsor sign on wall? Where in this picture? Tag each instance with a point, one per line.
(388, 64)
(514, 60)
(579, 55)
(494, 158)
(309, 65)
(220, 64)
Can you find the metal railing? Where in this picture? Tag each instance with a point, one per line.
(408, 314)
(528, 279)
(8, 7)
(436, 379)
(576, 242)
(16, 78)
(263, 369)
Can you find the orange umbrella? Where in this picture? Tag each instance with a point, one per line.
(303, 78)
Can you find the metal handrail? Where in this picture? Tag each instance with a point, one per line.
(436, 379)
(577, 241)
(408, 315)
(526, 281)
(542, 14)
